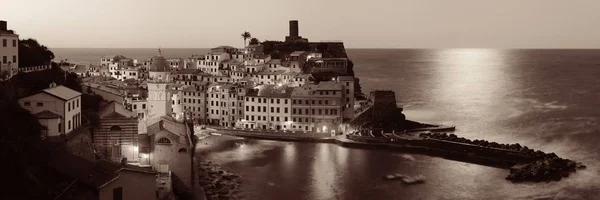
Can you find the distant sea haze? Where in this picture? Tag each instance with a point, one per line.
(544, 99)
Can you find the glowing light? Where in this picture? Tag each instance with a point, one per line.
(144, 155)
(279, 84)
(134, 148)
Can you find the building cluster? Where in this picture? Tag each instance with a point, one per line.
(295, 85)
(244, 88)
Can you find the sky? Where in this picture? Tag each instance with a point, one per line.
(358, 23)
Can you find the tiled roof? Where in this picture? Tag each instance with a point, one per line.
(297, 53)
(46, 114)
(83, 170)
(81, 68)
(271, 91)
(345, 78)
(274, 61)
(307, 89)
(270, 72)
(114, 109)
(261, 56)
(62, 92)
(187, 71)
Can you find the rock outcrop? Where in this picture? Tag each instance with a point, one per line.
(218, 183)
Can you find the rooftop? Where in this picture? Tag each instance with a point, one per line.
(297, 53)
(62, 92)
(114, 109)
(274, 61)
(274, 91)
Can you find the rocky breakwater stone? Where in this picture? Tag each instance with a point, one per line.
(548, 168)
(218, 183)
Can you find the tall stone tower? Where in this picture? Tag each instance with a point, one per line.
(159, 96)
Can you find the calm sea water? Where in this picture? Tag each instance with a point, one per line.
(544, 99)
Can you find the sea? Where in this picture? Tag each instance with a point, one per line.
(547, 100)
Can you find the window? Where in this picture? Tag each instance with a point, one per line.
(118, 193)
(14, 43)
(182, 150)
(293, 101)
(272, 109)
(39, 104)
(4, 59)
(293, 111)
(14, 59)
(115, 128)
(3, 42)
(277, 101)
(27, 103)
(286, 101)
(163, 140)
(143, 106)
(277, 110)
(134, 106)
(285, 111)
(69, 124)
(285, 119)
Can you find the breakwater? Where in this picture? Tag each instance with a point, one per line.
(525, 164)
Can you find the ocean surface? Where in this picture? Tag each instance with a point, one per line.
(544, 99)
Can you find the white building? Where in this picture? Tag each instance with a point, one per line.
(129, 73)
(9, 51)
(212, 62)
(52, 102)
(107, 60)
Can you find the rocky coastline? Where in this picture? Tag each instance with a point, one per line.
(218, 183)
(544, 167)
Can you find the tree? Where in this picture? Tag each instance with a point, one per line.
(245, 35)
(254, 41)
(31, 53)
(21, 148)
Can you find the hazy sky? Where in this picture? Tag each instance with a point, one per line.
(359, 23)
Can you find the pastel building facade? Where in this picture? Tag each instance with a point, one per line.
(267, 107)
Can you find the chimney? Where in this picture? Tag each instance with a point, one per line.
(3, 26)
(293, 28)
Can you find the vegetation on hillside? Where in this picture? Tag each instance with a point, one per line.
(32, 53)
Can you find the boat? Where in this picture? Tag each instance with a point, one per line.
(393, 176)
(413, 180)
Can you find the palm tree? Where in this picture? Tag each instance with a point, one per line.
(246, 35)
